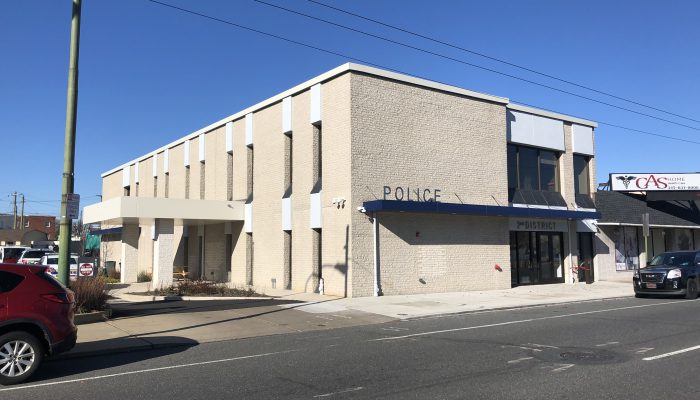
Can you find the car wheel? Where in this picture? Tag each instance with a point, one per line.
(20, 356)
(692, 290)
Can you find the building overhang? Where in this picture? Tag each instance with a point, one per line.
(125, 210)
(474, 209)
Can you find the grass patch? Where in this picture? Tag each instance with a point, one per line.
(204, 288)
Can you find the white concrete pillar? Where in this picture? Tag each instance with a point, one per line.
(130, 253)
(163, 253)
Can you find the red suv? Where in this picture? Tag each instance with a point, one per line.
(36, 320)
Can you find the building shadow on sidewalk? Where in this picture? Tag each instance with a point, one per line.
(54, 368)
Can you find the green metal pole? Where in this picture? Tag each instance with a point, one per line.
(69, 148)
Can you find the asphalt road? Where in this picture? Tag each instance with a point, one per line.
(614, 349)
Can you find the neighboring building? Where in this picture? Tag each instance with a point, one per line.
(21, 237)
(357, 182)
(674, 222)
(40, 223)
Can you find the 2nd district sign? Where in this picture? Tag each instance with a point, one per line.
(654, 182)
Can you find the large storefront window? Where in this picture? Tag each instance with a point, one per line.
(533, 176)
(626, 247)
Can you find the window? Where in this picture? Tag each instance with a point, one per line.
(48, 224)
(533, 169)
(626, 247)
(26, 224)
(581, 181)
(9, 281)
(533, 176)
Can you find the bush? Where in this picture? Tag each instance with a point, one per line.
(143, 276)
(204, 288)
(91, 294)
(111, 280)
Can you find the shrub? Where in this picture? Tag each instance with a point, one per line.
(143, 276)
(204, 288)
(111, 280)
(91, 294)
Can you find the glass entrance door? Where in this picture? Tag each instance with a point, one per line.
(537, 257)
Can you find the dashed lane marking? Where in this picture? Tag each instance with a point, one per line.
(521, 321)
(355, 389)
(673, 353)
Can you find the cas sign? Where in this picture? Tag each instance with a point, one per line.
(654, 182)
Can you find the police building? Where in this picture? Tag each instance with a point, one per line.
(361, 182)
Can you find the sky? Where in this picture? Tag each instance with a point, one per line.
(150, 74)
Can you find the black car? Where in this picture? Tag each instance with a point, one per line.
(673, 273)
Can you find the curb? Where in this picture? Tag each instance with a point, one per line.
(118, 350)
(137, 298)
(507, 308)
(92, 317)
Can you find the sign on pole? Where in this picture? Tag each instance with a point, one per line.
(73, 206)
(645, 224)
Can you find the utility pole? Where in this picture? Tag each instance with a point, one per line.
(21, 221)
(14, 210)
(69, 147)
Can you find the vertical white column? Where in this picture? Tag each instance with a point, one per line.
(129, 253)
(163, 253)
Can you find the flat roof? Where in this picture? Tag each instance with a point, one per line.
(339, 71)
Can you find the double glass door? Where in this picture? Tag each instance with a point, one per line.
(537, 258)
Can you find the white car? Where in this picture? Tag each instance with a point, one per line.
(51, 261)
(32, 256)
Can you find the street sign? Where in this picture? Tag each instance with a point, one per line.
(72, 205)
(86, 269)
(645, 224)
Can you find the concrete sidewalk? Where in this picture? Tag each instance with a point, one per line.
(149, 325)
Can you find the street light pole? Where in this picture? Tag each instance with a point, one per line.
(69, 147)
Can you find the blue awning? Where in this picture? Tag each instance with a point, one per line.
(108, 231)
(432, 207)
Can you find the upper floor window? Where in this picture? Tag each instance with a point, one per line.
(582, 182)
(533, 176)
(533, 169)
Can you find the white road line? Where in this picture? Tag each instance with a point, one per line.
(519, 360)
(522, 321)
(92, 378)
(606, 344)
(673, 353)
(541, 345)
(355, 389)
(563, 367)
(644, 350)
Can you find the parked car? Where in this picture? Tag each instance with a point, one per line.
(672, 273)
(51, 260)
(36, 320)
(32, 256)
(10, 254)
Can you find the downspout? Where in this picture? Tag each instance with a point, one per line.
(375, 235)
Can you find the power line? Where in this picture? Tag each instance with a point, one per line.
(473, 65)
(454, 46)
(343, 55)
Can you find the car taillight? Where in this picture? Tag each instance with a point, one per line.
(63, 298)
